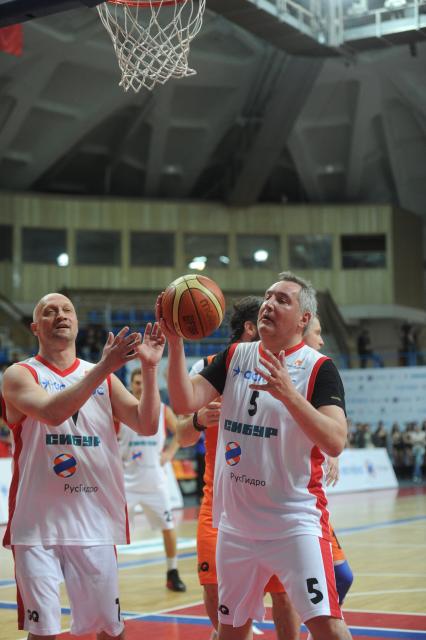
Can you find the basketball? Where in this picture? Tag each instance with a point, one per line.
(193, 306)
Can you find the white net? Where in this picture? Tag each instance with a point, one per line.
(151, 39)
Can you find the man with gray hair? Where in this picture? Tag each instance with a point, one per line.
(282, 410)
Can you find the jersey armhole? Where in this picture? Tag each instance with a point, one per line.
(230, 355)
(34, 374)
(313, 376)
(30, 369)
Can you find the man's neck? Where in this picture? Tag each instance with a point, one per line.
(60, 358)
(281, 345)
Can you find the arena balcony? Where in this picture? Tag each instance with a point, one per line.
(329, 27)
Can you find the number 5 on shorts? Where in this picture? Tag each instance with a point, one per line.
(310, 583)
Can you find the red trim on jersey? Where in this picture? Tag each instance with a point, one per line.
(19, 601)
(30, 369)
(313, 376)
(3, 409)
(230, 354)
(333, 598)
(17, 433)
(63, 373)
(109, 383)
(316, 489)
(287, 352)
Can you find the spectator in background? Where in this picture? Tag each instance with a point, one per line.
(365, 350)
(397, 446)
(379, 437)
(408, 351)
(368, 438)
(418, 441)
(358, 438)
(408, 445)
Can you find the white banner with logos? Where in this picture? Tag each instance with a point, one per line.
(5, 480)
(391, 394)
(364, 470)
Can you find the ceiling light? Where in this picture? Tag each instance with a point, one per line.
(260, 255)
(63, 260)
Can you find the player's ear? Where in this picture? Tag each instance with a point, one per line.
(305, 319)
(33, 327)
(250, 328)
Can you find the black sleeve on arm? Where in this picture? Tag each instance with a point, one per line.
(215, 372)
(328, 388)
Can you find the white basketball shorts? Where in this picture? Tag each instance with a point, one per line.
(91, 579)
(303, 563)
(156, 505)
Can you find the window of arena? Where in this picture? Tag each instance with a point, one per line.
(43, 245)
(310, 251)
(363, 251)
(152, 249)
(256, 251)
(98, 247)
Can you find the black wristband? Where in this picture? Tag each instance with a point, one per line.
(197, 426)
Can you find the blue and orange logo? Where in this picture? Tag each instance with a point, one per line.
(232, 453)
(65, 465)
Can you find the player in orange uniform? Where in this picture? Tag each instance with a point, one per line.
(286, 619)
(243, 326)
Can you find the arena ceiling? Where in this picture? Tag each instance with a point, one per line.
(254, 124)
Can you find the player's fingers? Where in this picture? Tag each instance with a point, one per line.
(148, 330)
(121, 334)
(155, 329)
(259, 387)
(159, 307)
(132, 337)
(263, 374)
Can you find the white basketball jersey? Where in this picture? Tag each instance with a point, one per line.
(67, 486)
(141, 457)
(268, 480)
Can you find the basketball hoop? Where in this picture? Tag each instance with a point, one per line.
(151, 38)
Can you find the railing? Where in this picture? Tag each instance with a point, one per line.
(393, 18)
(334, 22)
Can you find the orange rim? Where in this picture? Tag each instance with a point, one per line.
(145, 4)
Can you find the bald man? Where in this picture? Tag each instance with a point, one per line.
(67, 506)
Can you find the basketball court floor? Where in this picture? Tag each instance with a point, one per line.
(382, 532)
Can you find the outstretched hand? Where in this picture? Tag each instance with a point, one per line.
(278, 381)
(151, 349)
(120, 348)
(168, 331)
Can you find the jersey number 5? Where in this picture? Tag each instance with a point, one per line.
(311, 582)
(253, 403)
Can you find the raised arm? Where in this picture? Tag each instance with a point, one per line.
(24, 397)
(142, 416)
(172, 446)
(186, 394)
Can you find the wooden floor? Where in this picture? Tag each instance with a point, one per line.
(383, 534)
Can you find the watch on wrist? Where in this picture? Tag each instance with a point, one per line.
(197, 426)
